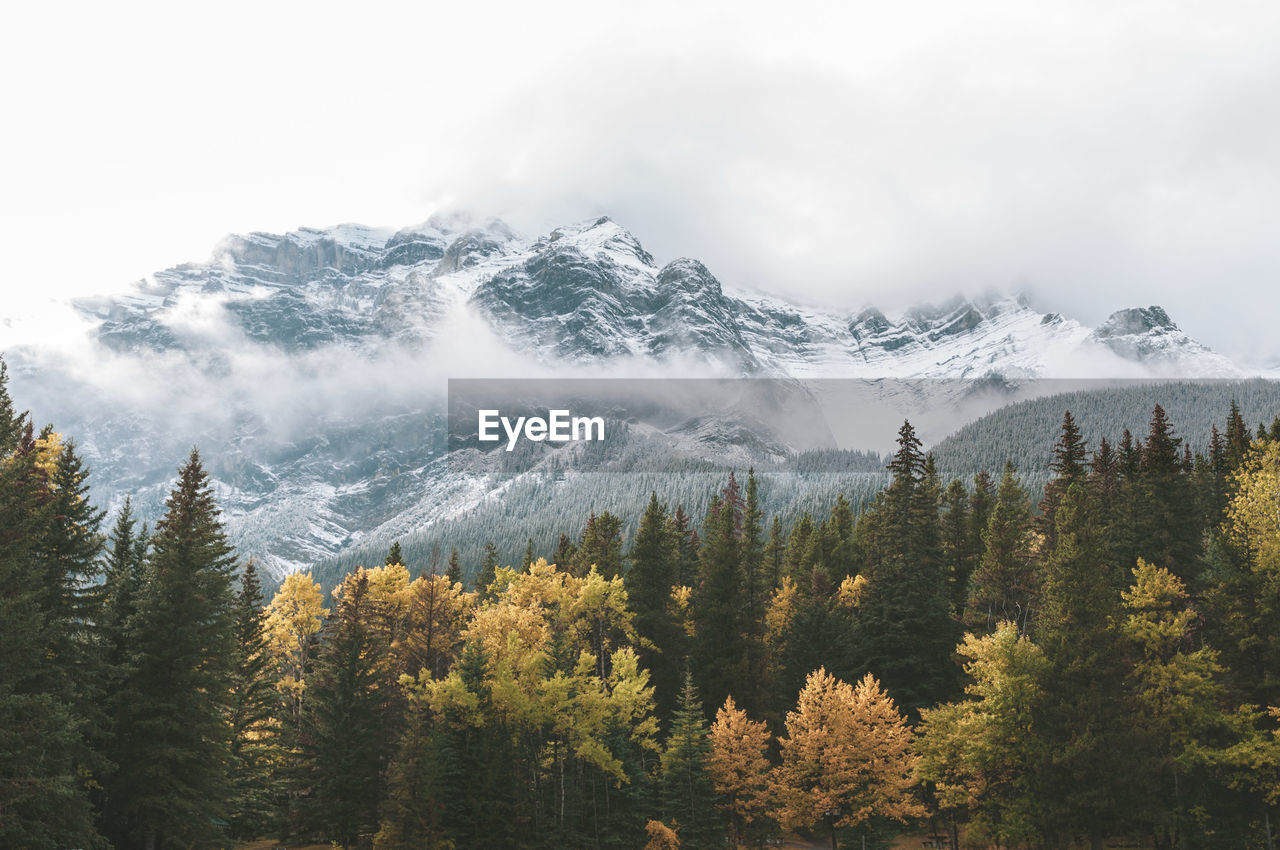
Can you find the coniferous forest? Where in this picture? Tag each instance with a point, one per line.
(1099, 666)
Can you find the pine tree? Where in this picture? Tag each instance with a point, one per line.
(1068, 468)
(902, 631)
(173, 733)
(1084, 723)
(718, 650)
(528, 557)
(341, 726)
(957, 559)
(43, 803)
(488, 571)
(687, 791)
(649, 581)
(601, 546)
(753, 690)
(454, 572)
(1168, 529)
(413, 812)
(774, 553)
(1006, 585)
(566, 553)
(257, 757)
(394, 555)
(687, 545)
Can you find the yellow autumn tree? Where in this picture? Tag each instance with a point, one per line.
(292, 620)
(1253, 516)
(981, 757)
(846, 758)
(739, 767)
(661, 836)
(438, 610)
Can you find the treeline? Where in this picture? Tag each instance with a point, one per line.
(1103, 665)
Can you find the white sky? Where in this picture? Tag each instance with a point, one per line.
(1100, 154)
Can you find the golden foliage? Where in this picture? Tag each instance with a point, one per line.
(1253, 516)
(846, 757)
(291, 621)
(661, 836)
(739, 765)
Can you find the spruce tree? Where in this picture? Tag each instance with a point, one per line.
(1068, 468)
(687, 792)
(1168, 518)
(172, 785)
(752, 693)
(257, 756)
(1006, 584)
(649, 580)
(774, 553)
(341, 727)
(43, 803)
(601, 546)
(718, 652)
(454, 572)
(488, 571)
(1085, 722)
(394, 555)
(958, 561)
(687, 545)
(902, 630)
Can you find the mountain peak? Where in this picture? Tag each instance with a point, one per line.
(1136, 320)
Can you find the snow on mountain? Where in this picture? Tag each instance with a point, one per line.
(354, 316)
(590, 293)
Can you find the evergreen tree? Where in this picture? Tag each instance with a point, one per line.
(43, 803)
(527, 561)
(752, 692)
(687, 792)
(413, 812)
(341, 728)
(957, 558)
(1068, 468)
(718, 652)
(902, 631)
(1085, 721)
(1006, 584)
(488, 571)
(257, 757)
(774, 553)
(687, 545)
(649, 581)
(566, 553)
(1168, 528)
(394, 555)
(454, 573)
(601, 546)
(171, 787)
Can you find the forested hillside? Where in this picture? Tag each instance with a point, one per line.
(942, 657)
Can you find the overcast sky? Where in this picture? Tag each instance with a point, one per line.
(1099, 155)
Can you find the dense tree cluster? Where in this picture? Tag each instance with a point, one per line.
(944, 658)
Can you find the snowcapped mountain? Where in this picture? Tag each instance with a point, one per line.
(309, 366)
(590, 293)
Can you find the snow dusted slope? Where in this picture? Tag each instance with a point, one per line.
(590, 293)
(309, 366)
